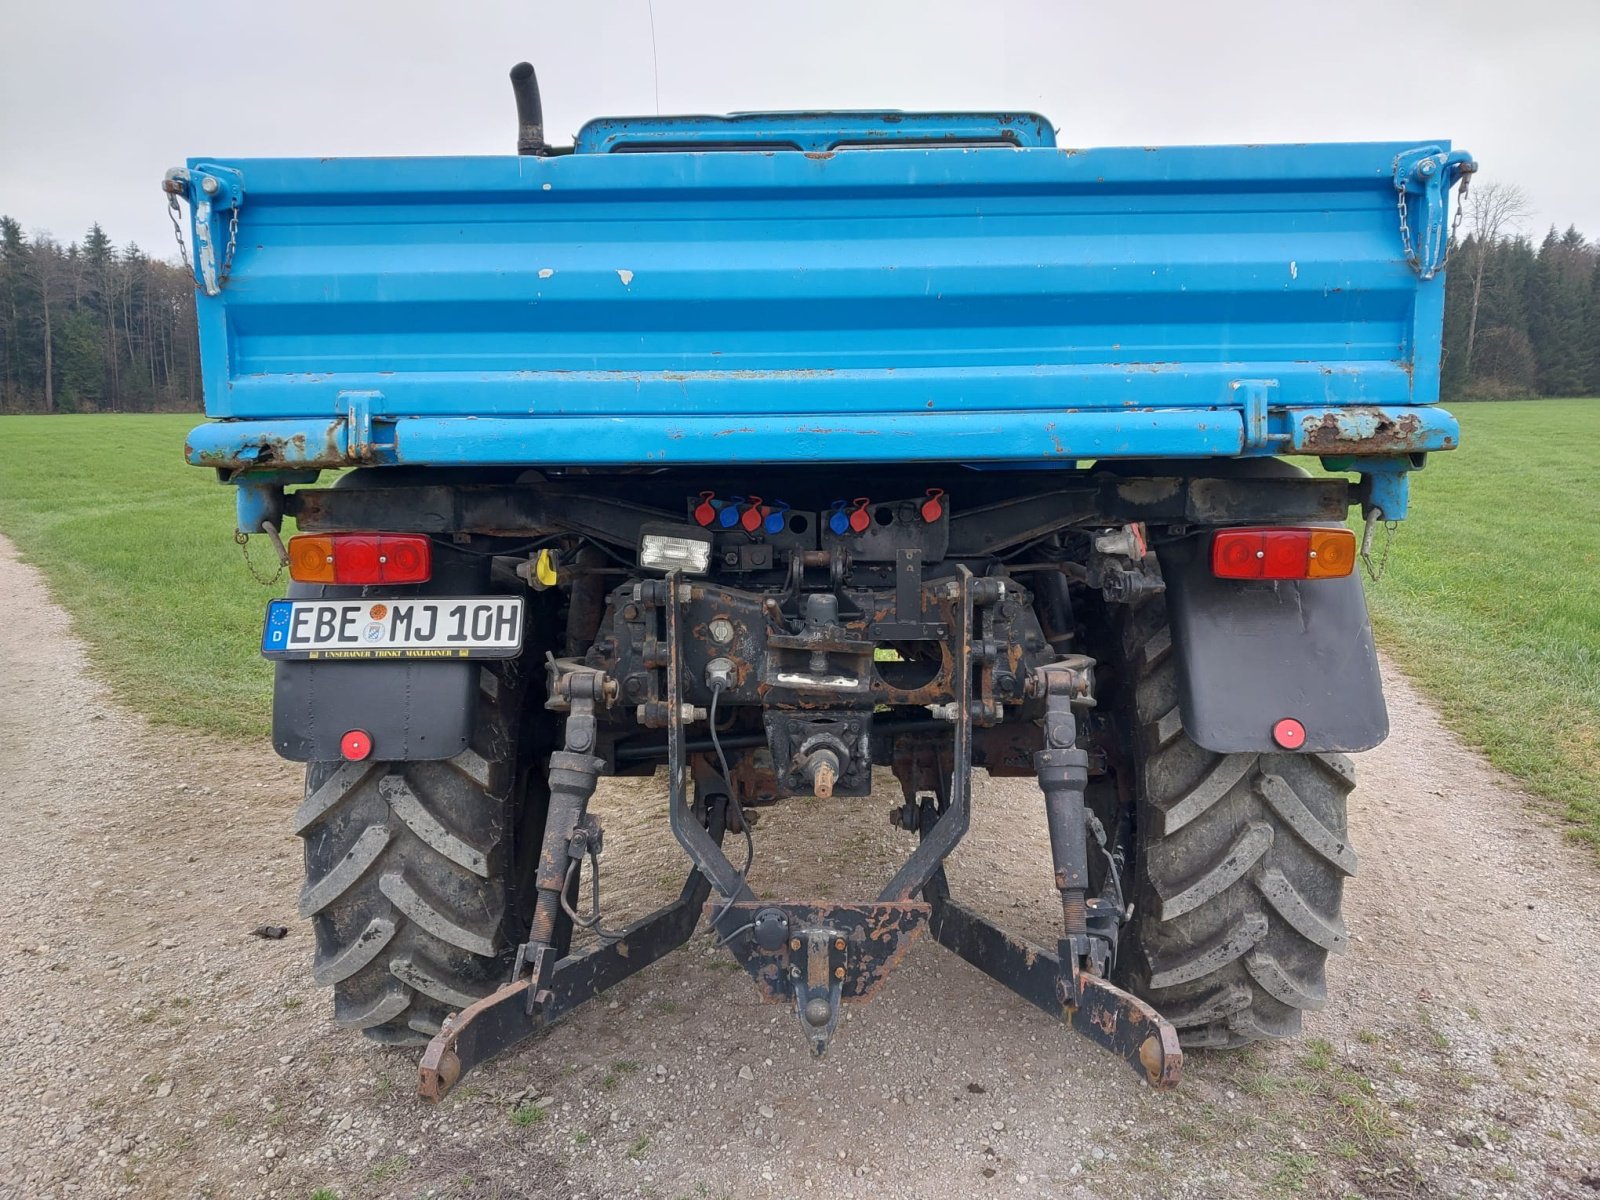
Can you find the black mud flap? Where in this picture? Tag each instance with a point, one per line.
(1251, 653)
(411, 710)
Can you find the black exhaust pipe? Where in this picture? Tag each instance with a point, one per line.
(530, 113)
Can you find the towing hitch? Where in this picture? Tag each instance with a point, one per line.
(816, 956)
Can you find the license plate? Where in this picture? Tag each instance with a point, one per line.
(436, 627)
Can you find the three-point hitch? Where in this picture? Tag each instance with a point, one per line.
(814, 956)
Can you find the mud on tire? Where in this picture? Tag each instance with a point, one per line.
(414, 874)
(1239, 864)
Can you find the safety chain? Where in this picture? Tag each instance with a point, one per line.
(243, 540)
(1405, 228)
(255, 572)
(1412, 258)
(233, 244)
(175, 215)
(1375, 572)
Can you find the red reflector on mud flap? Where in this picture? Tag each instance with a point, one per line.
(356, 745)
(1289, 733)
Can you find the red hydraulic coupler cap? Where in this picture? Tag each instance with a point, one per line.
(1289, 733)
(705, 512)
(933, 507)
(860, 518)
(356, 745)
(752, 518)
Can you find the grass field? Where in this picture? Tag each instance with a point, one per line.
(138, 546)
(1491, 598)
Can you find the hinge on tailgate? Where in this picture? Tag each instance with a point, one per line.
(211, 191)
(1422, 181)
(360, 419)
(1254, 396)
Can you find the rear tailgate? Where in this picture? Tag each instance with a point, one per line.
(1001, 304)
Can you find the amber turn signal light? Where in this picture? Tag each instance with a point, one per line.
(1280, 553)
(360, 558)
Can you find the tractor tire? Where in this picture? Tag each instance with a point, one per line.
(419, 875)
(1238, 865)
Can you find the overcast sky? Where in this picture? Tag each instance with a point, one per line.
(99, 97)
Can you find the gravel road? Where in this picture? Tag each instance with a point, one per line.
(158, 1049)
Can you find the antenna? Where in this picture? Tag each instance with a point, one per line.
(655, 60)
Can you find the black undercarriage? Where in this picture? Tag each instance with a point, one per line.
(944, 623)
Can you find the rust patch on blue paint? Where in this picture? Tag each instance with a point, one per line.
(1376, 431)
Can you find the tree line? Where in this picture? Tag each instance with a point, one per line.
(87, 327)
(1521, 319)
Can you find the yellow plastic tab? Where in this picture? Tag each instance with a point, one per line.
(544, 568)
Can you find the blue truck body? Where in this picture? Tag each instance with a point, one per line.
(1017, 414)
(936, 298)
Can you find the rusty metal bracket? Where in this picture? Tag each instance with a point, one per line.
(363, 425)
(501, 1020)
(1069, 984)
(819, 983)
(1108, 1016)
(819, 955)
(952, 825)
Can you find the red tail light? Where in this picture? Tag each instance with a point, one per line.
(1283, 553)
(360, 558)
